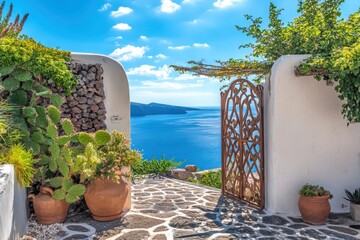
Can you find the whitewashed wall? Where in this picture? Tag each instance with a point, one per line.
(117, 98)
(306, 139)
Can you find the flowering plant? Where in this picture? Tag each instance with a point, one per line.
(105, 156)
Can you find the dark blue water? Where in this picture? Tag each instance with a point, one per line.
(193, 137)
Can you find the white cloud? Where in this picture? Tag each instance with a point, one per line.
(178, 47)
(144, 38)
(169, 85)
(190, 1)
(167, 6)
(150, 57)
(149, 70)
(226, 3)
(161, 56)
(104, 7)
(122, 26)
(195, 21)
(122, 11)
(119, 37)
(201, 45)
(186, 76)
(128, 53)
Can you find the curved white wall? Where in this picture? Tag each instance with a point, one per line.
(117, 97)
(306, 139)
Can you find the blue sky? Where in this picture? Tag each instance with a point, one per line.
(147, 36)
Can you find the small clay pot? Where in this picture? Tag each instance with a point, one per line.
(314, 210)
(47, 209)
(106, 199)
(355, 211)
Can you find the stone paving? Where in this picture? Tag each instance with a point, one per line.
(165, 209)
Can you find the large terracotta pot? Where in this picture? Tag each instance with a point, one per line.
(106, 199)
(315, 210)
(47, 209)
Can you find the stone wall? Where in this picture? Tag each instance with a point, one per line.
(85, 106)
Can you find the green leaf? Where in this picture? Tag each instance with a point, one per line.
(102, 137)
(21, 75)
(52, 164)
(85, 138)
(63, 140)
(52, 131)
(29, 112)
(64, 169)
(44, 160)
(11, 84)
(59, 194)
(5, 70)
(67, 126)
(54, 114)
(70, 198)
(67, 184)
(66, 153)
(56, 182)
(77, 190)
(54, 149)
(56, 100)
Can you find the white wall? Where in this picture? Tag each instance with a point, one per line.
(306, 139)
(117, 98)
(13, 211)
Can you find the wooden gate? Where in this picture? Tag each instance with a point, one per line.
(243, 142)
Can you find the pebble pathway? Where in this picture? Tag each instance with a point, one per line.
(166, 209)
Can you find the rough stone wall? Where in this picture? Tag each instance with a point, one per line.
(85, 106)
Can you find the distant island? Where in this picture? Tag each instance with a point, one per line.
(140, 109)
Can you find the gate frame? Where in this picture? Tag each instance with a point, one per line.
(259, 94)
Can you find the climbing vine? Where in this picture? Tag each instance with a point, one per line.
(332, 41)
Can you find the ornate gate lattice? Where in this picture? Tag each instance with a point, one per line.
(243, 142)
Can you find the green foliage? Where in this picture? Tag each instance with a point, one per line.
(56, 100)
(212, 179)
(102, 137)
(10, 84)
(86, 163)
(66, 189)
(54, 114)
(33, 57)
(67, 126)
(19, 97)
(21, 75)
(353, 197)
(29, 112)
(85, 138)
(22, 160)
(5, 70)
(313, 190)
(332, 41)
(154, 166)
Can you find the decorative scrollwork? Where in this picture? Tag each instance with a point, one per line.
(242, 142)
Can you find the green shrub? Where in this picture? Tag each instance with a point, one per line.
(212, 179)
(313, 191)
(154, 166)
(22, 160)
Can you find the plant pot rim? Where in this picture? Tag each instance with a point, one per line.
(318, 197)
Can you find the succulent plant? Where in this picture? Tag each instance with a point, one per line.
(10, 84)
(54, 114)
(102, 137)
(6, 70)
(29, 112)
(85, 138)
(19, 97)
(66, 189)
(313, 191)
(56, 100)
(353, 197)
(21, 74)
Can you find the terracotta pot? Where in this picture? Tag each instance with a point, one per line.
(47, 209)
(106, 199)
(315, 210)
(355, 211)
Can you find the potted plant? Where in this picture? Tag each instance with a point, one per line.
(55, 172)
(105, 156)
(314, 204)
(354, 199)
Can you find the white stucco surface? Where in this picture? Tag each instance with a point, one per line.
(117, 97)
(306, 140)
(13, 212)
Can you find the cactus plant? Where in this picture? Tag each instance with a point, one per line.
(29, 112)
(54, 114)
(19, 97)
(6, 70)
(85, 138)
(21, 75)
(10, 84)
(27, 86)
(102, 137)
(56, 100)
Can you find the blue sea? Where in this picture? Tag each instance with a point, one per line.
(193, 137)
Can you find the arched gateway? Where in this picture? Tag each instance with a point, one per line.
(243, 142)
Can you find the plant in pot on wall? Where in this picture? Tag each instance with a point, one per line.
(106, 156)
(354, 199)
(314, 204)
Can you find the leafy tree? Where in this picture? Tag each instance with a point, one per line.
(8, 28)
(332, 42)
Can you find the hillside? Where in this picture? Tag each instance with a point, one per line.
(140, 109)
